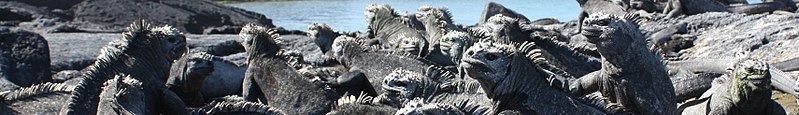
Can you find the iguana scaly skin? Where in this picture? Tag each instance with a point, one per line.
(401, 86)
(145, 54)
(122, 95)
(45, 98)
(322, 35)
(236, 105)
(745, 90)
(438, 23)
(632, 77)
(588, 7)
(187, 76)
(395, 32)
(500, 28)
(270, 80)
(513, 82)
(373, 62)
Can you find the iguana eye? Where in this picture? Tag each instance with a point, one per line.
(602, 22)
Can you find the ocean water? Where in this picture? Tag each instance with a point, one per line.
(347, 15)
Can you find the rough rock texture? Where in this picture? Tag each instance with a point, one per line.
(26, 57)
(75, 51)
(113, 15)
(774, 39)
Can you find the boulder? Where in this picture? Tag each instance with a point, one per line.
(192, 16)
(26, 57)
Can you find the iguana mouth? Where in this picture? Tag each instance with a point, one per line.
(591, 32)
(473, 64)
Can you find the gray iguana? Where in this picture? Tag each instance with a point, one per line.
(122, 95)
(402, 86)
(395, 32)
(632, 76)
(588, 7)
(187, 76)
(744, 90)
(374, 62)
(513, 82)
(145, 54)
(44, 98)
(235, 105)
(270, 80)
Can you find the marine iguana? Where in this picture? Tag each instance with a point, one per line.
(374, 62)
(588, 7)
(145, 54)
(632, 76)
(438, 23)
(235, 105)
(45, 98)
(501, 28)
(361, 104)
(395, 32)
(322, 35)
(402, 86)
(512, 82)
(436, 90)
(187, 76)
(744, 90)
(270, 80)
(122, 95)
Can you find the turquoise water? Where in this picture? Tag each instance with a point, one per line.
(347, 15)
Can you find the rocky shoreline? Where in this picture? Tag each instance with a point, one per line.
(56, 41)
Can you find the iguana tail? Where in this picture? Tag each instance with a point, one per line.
(34, 90)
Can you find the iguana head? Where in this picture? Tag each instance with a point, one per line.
(610, 32)
(322, 35)
(412, 44)
(259, 41)
(454, 43)
(198, 67)
(488, 62)
(748, 77)
(430, 14)
(401, 85)
(374, 12)
(174, 41)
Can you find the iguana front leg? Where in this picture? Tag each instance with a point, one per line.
(171, 103)
(587, 84)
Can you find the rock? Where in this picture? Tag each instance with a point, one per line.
(222, 30)
(304, 45)
(219, 45)
(75, 51)
(771, 38)
(238, 58)
(27, 58)
(190, 16)
(65, 75)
